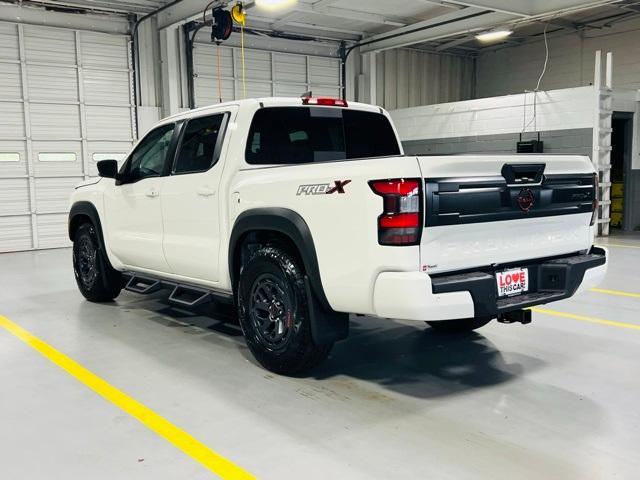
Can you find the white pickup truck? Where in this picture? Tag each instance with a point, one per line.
(304, 210)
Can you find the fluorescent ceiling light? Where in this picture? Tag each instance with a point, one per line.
(493, 36)
(274, 4)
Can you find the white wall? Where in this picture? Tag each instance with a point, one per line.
(571, 61)
(564, 109)
(407, 78)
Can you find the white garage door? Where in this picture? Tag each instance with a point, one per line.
(65, 103)
(268, 74)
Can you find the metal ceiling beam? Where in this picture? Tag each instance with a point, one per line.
(559, 22)
(189, 10)
(324, 3)
(631, 5)
(461, 22)
(454, 43)
(278, 24)
(350, 14)
(530, 8)
(34, 16)
(140, 7)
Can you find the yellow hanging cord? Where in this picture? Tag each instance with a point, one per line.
(244, 81)
(219, 74)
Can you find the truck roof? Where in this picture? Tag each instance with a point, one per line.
(265, 101)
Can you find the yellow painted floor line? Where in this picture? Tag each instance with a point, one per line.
(616, 292)
(582, 318)
(618, 245)
(179, 438)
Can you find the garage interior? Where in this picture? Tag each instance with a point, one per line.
(141, 389)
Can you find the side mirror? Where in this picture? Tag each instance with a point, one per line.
(108, 168)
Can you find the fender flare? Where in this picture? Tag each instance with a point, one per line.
(327, 325)
(89, 210)
(289, 223)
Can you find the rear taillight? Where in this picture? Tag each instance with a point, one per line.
(596, 194)
(400, 223)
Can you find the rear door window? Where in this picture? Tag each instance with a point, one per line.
(297, 135)
(200, 146)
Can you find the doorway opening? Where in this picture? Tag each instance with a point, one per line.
(621, 142)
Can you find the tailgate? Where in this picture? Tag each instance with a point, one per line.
(495, 210)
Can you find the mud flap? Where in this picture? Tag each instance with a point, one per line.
(326, 326)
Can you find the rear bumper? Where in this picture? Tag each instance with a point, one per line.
(416, 296)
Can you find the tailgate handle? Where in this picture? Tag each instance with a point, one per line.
(523, 173)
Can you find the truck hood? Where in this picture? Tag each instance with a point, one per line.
(86, 183)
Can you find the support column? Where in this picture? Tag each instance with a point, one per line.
(170, 56)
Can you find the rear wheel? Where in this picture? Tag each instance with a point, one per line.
(460, 325)
(96, 279)
(274, 313)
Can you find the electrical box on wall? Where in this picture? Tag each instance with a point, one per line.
(530, 146)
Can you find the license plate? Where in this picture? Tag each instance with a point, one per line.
(512, 282)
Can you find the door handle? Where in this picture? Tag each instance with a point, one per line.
(205, 191)
(152, 192)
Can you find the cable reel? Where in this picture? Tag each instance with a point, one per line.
(222, 25)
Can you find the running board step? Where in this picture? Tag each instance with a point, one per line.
(143, 285)
(183, 296)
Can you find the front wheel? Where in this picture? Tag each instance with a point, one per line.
(96, 279)
(461, 325)
(274, 313)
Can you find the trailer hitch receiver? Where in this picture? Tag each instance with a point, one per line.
(516, 316)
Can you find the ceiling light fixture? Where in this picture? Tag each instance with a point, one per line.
(274, 4)
(493, 35)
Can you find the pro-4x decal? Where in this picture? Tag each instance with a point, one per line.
(323, 188)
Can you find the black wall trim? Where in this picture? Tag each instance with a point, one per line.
(289, 223)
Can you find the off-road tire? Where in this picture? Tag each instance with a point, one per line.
(274, 313)
(96, 278)
(461, 325)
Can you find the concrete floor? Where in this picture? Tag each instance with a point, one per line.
(557, 399)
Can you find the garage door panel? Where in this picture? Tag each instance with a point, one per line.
(57, 158)
(14, 196)
(65, 120)
(205, 60)
(13, 159)
(108, 123)
(325, 91)
(12, 120)
(52, 194)
(206, 90)
(257, 64)
(324, 71)
(104, 51)
(255, 89)
(10, 81)
(290, 68)
(51, 121)
(52, 231)
(285, 90)
(16, 233)
(49, 45)
(106, 87)
(9, 48)
(294, 74)
(107, 151)
(52, 83)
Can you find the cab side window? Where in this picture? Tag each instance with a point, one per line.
(201, 142)
(149, 157)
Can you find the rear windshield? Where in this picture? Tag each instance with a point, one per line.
(294, 135)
